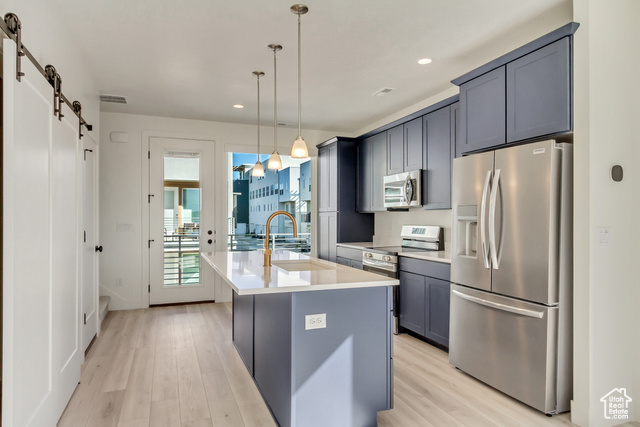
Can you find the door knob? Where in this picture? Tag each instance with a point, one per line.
(98, 248)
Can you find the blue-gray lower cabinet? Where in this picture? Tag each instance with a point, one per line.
(437, 295)
(412, 302)
(243, 328)
(341, 375)
(343, 261)
(349, 256)
(482, 112)
(539, 92)
(327, 235)
(424, 299)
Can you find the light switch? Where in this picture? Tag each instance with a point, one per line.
(315, 321)
(120, 226)
(603, 235)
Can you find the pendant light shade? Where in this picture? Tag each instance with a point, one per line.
(258, 169)
(274, 161)
(299, 149)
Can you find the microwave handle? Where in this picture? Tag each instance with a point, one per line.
(404, 190)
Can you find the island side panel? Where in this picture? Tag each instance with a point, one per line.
(243, 307)
(341, 373)
(273, 353)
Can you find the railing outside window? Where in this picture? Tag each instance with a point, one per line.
(181, 253)
(252, 242)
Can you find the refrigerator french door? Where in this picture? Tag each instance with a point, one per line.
(511, 268)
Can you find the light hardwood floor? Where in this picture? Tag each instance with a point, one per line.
(176, 366)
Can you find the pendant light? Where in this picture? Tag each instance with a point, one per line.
(258, 170)
(274, 161)
(299, 149)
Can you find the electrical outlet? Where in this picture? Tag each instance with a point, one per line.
(315, 321)
(118, 282)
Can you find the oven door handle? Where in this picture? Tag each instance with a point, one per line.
(379, 264)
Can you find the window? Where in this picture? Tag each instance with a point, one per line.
(248, 218)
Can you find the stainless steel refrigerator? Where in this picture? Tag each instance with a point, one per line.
(511, 272)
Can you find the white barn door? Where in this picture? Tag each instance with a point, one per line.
(41, 339)
(89, 256)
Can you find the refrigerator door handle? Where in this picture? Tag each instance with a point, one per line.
(498, 306)
(493, 248)
(483, 211)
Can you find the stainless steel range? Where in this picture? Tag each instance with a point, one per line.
(384, 259)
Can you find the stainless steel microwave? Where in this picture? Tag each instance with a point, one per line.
(403, 190)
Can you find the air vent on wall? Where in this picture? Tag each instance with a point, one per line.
(383, 91)
(114, 99)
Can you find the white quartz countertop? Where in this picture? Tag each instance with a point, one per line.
(439, 256)
(244, 272)
(356, 245)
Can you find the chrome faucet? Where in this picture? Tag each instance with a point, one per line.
(267, 251)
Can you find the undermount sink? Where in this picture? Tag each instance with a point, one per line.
(301, 265)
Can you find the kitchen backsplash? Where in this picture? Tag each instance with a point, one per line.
(388, 225)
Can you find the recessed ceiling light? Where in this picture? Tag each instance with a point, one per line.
(424, 61)
(238, 106)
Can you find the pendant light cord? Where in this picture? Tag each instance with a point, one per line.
(275, 103)
(258, 80)
(299, 80)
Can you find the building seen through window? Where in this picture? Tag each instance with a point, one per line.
(256, 198)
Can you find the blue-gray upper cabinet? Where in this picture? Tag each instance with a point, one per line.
(338, 219)
(365, 169)
(378, 171)
(404, 147)
(439, 130)
(395, 150)
(539, 92)
(482, 112)
(372, 158)
(328, 182)
(413, 145)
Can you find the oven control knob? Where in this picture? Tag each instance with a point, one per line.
(368, 255)
(386, 258)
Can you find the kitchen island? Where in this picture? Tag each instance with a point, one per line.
(316, 336)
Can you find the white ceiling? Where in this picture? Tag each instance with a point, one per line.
(193, 58)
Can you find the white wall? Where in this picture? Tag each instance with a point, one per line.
(388, 225)
(607, 132)
(122, 174)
